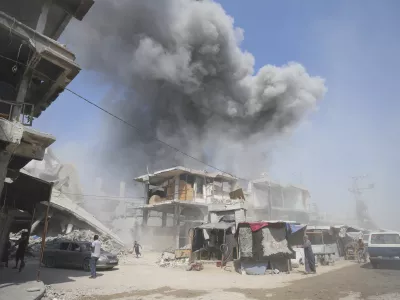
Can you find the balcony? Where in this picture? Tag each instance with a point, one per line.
(26, 111)
(26, 54)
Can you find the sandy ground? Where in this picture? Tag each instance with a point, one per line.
(354, 282)
(139, 279)
(143, 279)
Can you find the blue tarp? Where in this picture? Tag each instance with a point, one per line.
(294, 228)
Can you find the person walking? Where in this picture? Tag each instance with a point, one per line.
(137, 248)
(96, 250)
(309, 258)
(361, 253)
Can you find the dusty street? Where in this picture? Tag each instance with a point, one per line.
(142, 279)
(351, 282)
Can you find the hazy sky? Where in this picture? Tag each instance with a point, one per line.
(354, 45)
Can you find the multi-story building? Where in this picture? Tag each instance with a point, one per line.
(270, 200)
(180, 197)
(34, 70)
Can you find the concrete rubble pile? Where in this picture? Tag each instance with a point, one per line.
(108, 244)
(52, 294)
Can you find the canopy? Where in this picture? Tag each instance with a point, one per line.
(256, 226)
(217, 226)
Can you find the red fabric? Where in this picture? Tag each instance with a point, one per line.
(257, 225)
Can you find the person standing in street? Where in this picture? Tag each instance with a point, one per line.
(361, 250)
(309, 258)
(96, 250)
(20, 254)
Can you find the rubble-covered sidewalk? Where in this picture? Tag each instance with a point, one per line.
(20, 286)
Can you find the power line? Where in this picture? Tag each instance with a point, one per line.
(125, 122)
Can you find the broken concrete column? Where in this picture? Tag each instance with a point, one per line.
(23, 88)
(177, 224)
(69, 228)
(63, 227)
(36, 224)
(176, 190)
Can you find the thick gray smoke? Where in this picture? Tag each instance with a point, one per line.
(186, 81)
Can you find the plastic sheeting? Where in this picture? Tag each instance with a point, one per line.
(295, 227)
(295, 237)
(274, 241)
(267, 242)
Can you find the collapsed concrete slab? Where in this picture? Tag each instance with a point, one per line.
(65, 213)
(80, 217)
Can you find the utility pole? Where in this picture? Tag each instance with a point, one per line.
(361, 208)
(356, 190)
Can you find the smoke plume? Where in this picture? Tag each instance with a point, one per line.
(178, 74)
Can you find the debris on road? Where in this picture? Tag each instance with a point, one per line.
(51, 294)
(70, 294)
(168, 260)
(195, 267)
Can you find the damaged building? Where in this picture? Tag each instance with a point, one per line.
(179, 198)
(270, 200)
(66, 211)
(35, 69)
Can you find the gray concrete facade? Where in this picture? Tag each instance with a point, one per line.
(35, 69)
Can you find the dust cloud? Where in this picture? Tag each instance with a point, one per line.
(178, 74)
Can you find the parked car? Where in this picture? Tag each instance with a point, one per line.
(383, 247)
(75, 254)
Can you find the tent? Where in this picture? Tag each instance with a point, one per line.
(264, 245)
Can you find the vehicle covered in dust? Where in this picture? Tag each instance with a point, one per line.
(384, 247)
(73, 254)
